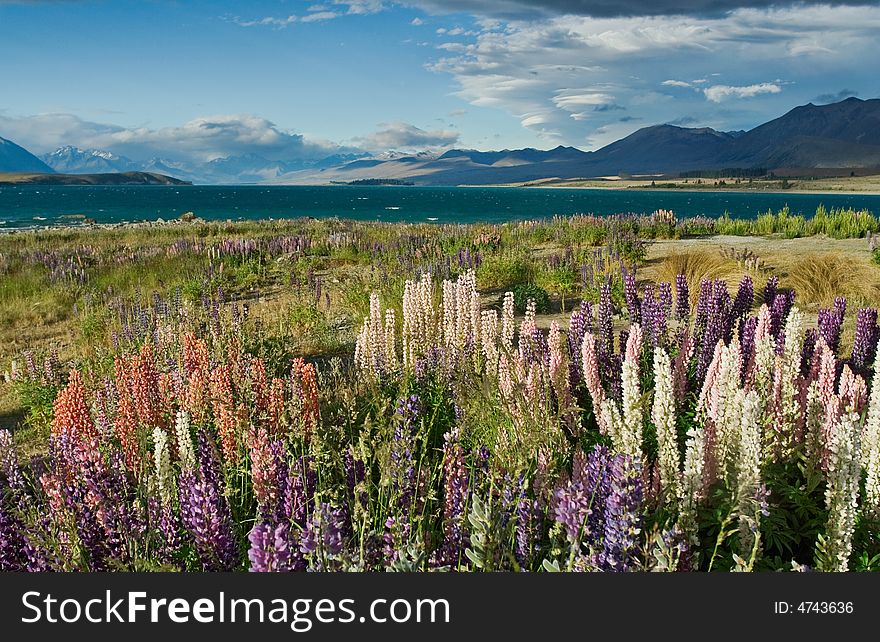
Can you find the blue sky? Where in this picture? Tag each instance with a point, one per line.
(201, 80)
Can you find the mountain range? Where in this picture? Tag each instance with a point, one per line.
(837, 136)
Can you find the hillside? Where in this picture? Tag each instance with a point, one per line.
(119, 178)
(14, 158)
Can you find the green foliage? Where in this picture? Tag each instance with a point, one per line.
(523, 292)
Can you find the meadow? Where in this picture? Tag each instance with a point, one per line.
(579, 393)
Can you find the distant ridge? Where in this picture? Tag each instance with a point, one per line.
(116, 178)
(827, 140)
(17, 159)
(830, 138)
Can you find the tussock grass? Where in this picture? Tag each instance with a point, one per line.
(818, 278)
(696, 265)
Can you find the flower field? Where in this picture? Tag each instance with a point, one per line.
(681, 425)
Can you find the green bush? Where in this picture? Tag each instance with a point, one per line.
(522, 292)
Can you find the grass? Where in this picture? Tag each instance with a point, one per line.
(696, 265)
(818, 278)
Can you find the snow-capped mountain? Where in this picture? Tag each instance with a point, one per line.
(73, 160)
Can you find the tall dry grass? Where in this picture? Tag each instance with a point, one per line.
(696, 265)
(818, 278)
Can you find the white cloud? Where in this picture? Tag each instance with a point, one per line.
(719, 93)
(270, 21)
(200, 139)
(402, 136)
(530, 68)
(417, 22)
(676, 83)
(319, 16)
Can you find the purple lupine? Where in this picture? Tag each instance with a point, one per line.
(631, 296)
(205, 511)
(355, 475)
(272, 548)
(455, 493)
(325, 534)
(299, 492)
(10, 472)
(782, 304)
(578, 504)
(717, 324)
(622, 516)
(747, 345)
(408, 413)
(664, 296)
(12, 543)
(809, 347)
(169, 529)
(745, 296)
(529, 519)
(770, 290)
(865, 341)
(682, 298)
(605, 323)
(830, 323)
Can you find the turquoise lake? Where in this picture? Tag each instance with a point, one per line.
(39, 205)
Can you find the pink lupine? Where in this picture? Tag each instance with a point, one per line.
(590, 365)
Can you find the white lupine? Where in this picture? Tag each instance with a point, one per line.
(370, 346)
(625, 424)
(765, 356)
(785, 385)
(841, 494)
(663, 416)
(185, 451)
(389, 342)
(613, 423)
(725, 403)
(871, 446)
(691, 488)
(507, 323)
(162, 462)
(489, 332)
(814, 419)
(748, 471)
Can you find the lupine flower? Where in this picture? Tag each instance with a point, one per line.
(590, 366)
(70, 411)
(788, 411)
(865, 342)
(631, 296)
(871, 446)
(841, 494)
(830, 323)
(622, 516)
(455, 491)
(748, 472)
(205, 511)
(324, 536)
(663, 416)
(625, 424)
(162, 462)
(272, 548)
(742, 304)
(682, 298)
(185, 452)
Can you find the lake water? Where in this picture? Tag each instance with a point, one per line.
(39, 205)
